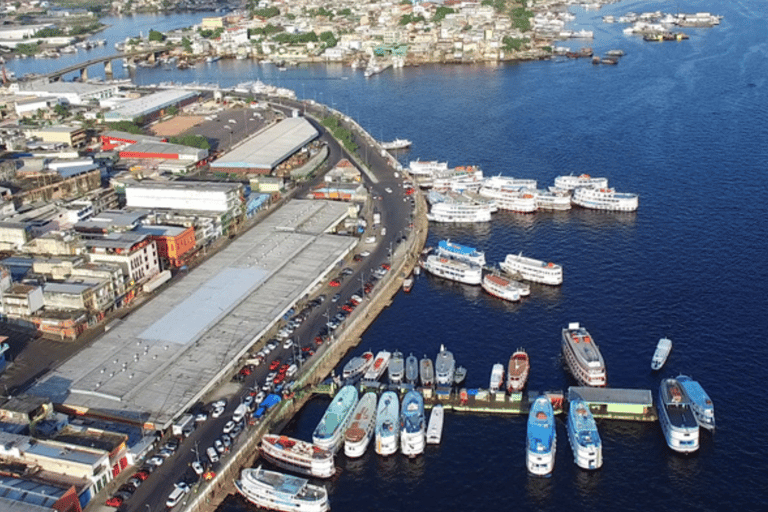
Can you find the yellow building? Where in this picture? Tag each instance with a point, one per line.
(212, 23)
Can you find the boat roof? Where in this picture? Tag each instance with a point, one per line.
(280, 482)
(584, 347)
(458, 248)
(694, 390)
(337, 411)
(581, 416)
(610, 395)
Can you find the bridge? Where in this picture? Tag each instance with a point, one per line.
(82, 67)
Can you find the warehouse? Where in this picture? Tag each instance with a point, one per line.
(150, 107)
(163, 151)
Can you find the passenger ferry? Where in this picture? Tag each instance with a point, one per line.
(455, 208)
(458, 179)
(278, 491)
(444, 367)
(360, 431)
(701, 405)
(681, 430)
(378, 367)
(541, 440)
(663, 348)
(517, 370)
(501, 287)
(454, 270)
(497, 378)
(396, 368)
(435, 426)
(552, 199)
(449, 249)
(508, 183)
(422, 172)
(357, 366)
(583, 436)
(387, 424)
(334, 422)
(510, 194)
(604, 199)
(299, 456)
(412, 424)
(583, 357)
(427, 372)
(583, 180)
(532, 269)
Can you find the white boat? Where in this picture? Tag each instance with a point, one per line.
(541, 438)
(425, 170)
(334, 422)
(449, 249)
(497, 378)
(506, 182)
(663, 348)
(501, 287)
(458, 179)
(387, 424)
(604, 199)
(396, 368)
(435, 426)
(278, 491)
(212, 58)
(297, 455)
(396, 144)
(454, 270)
(378, 367)
(552, 199)
(444, 367)
(583, 357)
(411, 369)
(357, 366)
(459, 375)
(532, 269)
(583, 436)
(701, 405)
(407, 284)
(412, 424)
(360, 430)
(517, 370)
(583, 180)
(678, 423)
(427, 372)
(509, 195)
(452, 207)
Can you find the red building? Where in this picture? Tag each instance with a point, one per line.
(174, 244)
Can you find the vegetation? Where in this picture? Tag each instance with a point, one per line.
(49, 32)
(61, 110)
(521, 18)
(186, 45)
(341, 134)
(267, 30)
(410, 18)
(210, 34)
(269, 12)
(514, 44)
(126, 126)
(441, 12)
(328, 38)
(345, 12)
(193, 141)
(306, 37)
(28, 48)
(154, 35)
(91, 28)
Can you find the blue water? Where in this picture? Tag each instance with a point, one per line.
(682, 124)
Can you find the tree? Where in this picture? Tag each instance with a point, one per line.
(154, 35)
(186, 44)
(193, 141)
(441, 12)
(61, 110)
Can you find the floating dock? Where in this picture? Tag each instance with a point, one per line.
(617, 403)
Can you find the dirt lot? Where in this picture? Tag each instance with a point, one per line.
(176, 126)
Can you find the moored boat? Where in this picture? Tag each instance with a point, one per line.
(380, 363)
(357, 366)
(387, 424)
(427, 372)
(396, 144)
(532, 269)
(412, 424)
(663, 348)
(583, 356)
(604, 199)
(501, 287)
(497, 377)
(701, 405)
(411, 369)
(334, 422)
(297, 455)
(277, 491)
(583, 436)
(678, 423)
(459, 375)
(458, 208)
(360, 430)
(407, 284)
(552, 199)
(454, 270)
(583, 180)
(458, 179)
(510, 193)
(517, 371)
(459, 252)
(541, 439)
(396, 368)
(435, 426)
(444, 367)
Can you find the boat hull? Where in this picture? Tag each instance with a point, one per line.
(680, 428)
(541, 441)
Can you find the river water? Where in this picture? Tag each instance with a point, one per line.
(684, 125)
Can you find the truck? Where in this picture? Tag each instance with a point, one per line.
(184, 421)
(376, 217)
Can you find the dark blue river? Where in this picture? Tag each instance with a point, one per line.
(684, 125)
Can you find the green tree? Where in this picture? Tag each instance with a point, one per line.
(269, 12)
(61, 110)
(521, 19)
(328, 38)
(441, 12)
(186, 44)
(154, 35)
(126, 126)
(28, 48)
(193, 141)
(49, 32)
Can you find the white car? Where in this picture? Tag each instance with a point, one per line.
(219, 446)
(288, 344)
(370, 240)
(156, 461)
(219, 404)
(228, 427)
(217, 412)
(198, 468)
(389, 190)
(259, 398)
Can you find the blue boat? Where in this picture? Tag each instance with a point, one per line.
(334, 422)
(583, 436)
(701, 405)
(413, 427)
(448, 249)
(541, 440)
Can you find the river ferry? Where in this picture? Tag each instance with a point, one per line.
(396, 368)
(357, 366)
(604, 199)
(449, 249)
(532, 269)
(378, 367)
(278, 491)
(583, 357)
(454, 270)
(701, 405)
(435, 425)
(457, 208)
(583, 436)
(297, 455)
(412, 424)
(517, 370)
(360, 431)
(422, 172)
(458, 179)
(334, 422)
(663, 348)
(679, 425)
(501, 287)
(387, 424)
(583, 180)
(510, 194)
(444, 367)
(541, 439)
(552, 199)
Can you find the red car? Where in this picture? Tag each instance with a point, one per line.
(114, 501)
(334, 283)
(274, 364)
(318, 341)
(386, 266)
(306, 349)
(284, 368)
(348, 308)
(141, 475)
(245, 371)
(280, 377)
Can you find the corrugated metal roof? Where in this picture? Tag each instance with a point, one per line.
(611, 395)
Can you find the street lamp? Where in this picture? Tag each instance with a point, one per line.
(197, 452)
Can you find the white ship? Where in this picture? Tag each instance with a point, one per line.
(508, 183)
(334, 422)
(663, 349)
(583, 436)
(412, 424)
(552, 199)
(444, 367)
(449, 249)
(357, 366)
(387, 424)
(454, 270)
(541, 438)
(297, 455)
(452, 207)
(701, 405)
(497, 378)
(425, 170)
(378, 367)
(583, 357)
(583, 180)
(604, 199)
(360, 430)
(277, 491)
(396, 368)
(681, 430)
(458, 179)
(501, 287)
(435, 426)
(514, 199)
(396, 144)
(532, 269)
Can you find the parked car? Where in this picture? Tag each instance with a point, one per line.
(197, 467)
(288, 344)
(228, 427)
(157, 460)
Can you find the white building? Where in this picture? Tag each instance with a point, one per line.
(186, 195)
(72, 93)
(135, 253)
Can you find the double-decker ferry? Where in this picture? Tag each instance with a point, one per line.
(334, 422)
(387, 424)
(583, 180)
(583, 357)
(297, 455)
(412, 424)
(532, 269)
(360, 430)
(583, 436)
(277, 491)
(541, 439)
(604, 199)
(681, 430)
